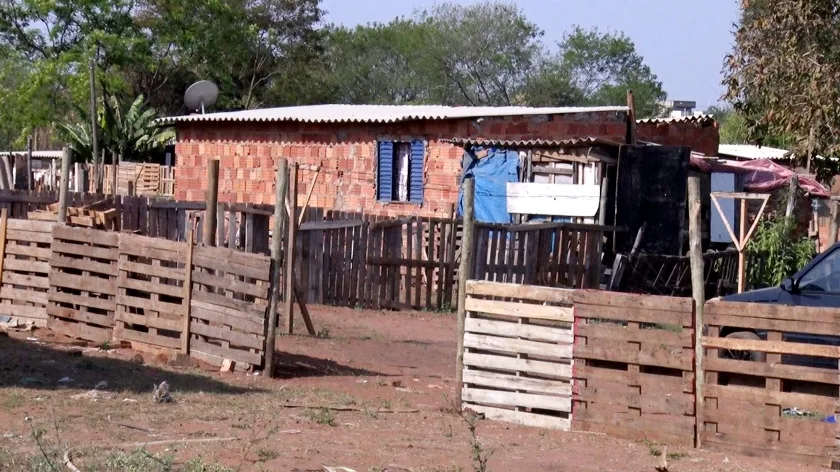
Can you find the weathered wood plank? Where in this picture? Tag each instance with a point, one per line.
(519, 346)
(106, 304)
(233, 354)
(772, 347)
(236, 338)
(521, 417)
(224, 256)
(224, 283)
(518, 383)
(640, 315)
(756, 396)
(28, 251)
(153, 271)
(84, 283)
(148, 321)
(513, 399)
(513, 364)
(24, 265)
(525, 292)
(20, 295)
(621, 334)
(773, 371)
(106, 321)
(513, 330)
(673, 358)
(520, 310)
(34, 281)
(146, 338)
(60, 247)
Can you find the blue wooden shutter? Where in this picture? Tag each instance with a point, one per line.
(415, 171)
(385, 183)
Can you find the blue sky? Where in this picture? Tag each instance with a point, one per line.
(684, 41)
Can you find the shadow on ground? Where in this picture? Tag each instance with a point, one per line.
(288, 365)
(48, 367)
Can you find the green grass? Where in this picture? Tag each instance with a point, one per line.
(321, 416)
(267, 454)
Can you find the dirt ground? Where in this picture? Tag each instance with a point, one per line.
(365, 361)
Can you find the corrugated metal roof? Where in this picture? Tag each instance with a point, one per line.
(534, 143)
(377, 113)
(680, 119)
(749, 151)
(35, 154)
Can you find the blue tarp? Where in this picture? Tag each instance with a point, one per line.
(491, 174)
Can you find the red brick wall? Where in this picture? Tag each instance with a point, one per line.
(700, 136)
(347, 156)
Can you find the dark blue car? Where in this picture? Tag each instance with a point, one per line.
(815, 285)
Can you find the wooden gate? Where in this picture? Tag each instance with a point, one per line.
(518, 354)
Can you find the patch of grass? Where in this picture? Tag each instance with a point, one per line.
(240, 426)
(11, 400)
(653, 450)
(323, 333)
(321, 416)
(105, 346)
(386, 404)
(267, 454)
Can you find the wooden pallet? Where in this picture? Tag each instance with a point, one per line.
(745, 401)
(634, 366)
(83, 283)
(228, 305)
(25, 267)
(518, 354)
(151, 298)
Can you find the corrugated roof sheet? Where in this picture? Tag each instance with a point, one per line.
(534, 143)
(680, 119)
(377, 113)
(35, 154)
(749, 151)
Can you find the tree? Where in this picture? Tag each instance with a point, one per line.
(783, 73)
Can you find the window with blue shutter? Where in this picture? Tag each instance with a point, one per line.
(399, 176)
(385, 172)
(415, 173)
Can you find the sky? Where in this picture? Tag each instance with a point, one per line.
(683, 41)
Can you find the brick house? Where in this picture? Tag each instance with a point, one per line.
(387, 160)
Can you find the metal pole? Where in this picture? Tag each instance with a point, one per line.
(276, 245)
(66, 155)
(464, 272)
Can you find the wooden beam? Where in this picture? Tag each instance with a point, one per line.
(740, 195)
(832, 222)
(308, 196)
(211, 200)
(698, 292)
(66, 155)
(742, 262)
(551, 170)
(631, 118)
(185, 331)
(291, 233)
(464, 273)
(282, 181)
(726, 223)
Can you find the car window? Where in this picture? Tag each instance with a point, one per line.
(823, 277)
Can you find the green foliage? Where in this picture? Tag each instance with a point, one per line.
(734, 129)
(776, 253)
(782, 76)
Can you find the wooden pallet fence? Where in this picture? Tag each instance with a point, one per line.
(776, 407)
(518, 354)
(228, 305)
(25, 270)
(83, 283)
(151, 302)
(634, 363)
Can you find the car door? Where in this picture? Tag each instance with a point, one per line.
(818, 286)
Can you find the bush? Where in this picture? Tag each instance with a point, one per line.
(775, 253)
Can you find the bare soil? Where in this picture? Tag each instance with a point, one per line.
(364, 361)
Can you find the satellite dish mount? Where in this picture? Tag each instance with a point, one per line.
(201, 94)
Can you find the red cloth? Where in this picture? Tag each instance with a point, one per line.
(761, 175)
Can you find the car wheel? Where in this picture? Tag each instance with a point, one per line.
(753, 356)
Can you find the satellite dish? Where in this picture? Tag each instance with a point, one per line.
(201, 94)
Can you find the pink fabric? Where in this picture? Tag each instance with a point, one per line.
(761, 175)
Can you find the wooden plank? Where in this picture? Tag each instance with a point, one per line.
(26, 265)
(148, 321)
(147, 304)
(23, 311)
(28, 251)
(521, 417)
(627, 300)
(61, 247)
(153, 248)
(619, 334)
(30, 226)
(514, 399)
(525, 292)
(227, 305)
(105, 304)
(152, 271)
(80, 282)
(418, 273)
(517, 346)
(587, 375)
(517, 330)
(775, 312)
(530, 198)
(740, 419)
(513, 364)
(520, 310)
(724, 443)
(227, 353)
(245, 325)
(62, 262)
(655, 356)
(517, 383)
(204, 278)
(640, 315)
(773, 371)
(325, 225)
(226, 256)
(230, 267)
(83, 316)
(80, 330)
(772, 347)
(234, 337)
(768, 324)
(86, 235)
(34, 281)
(28, 236)
(756, 396)
(672, 430)
(656, 404)
(22, 295)
(146, 338)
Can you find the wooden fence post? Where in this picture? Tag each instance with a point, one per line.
(65, 181)
(832, 222)
(464, 273)
(211, 200)
(29, 184)
(274, 280)
(185, 340)
(291, 225)
(698, 291)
